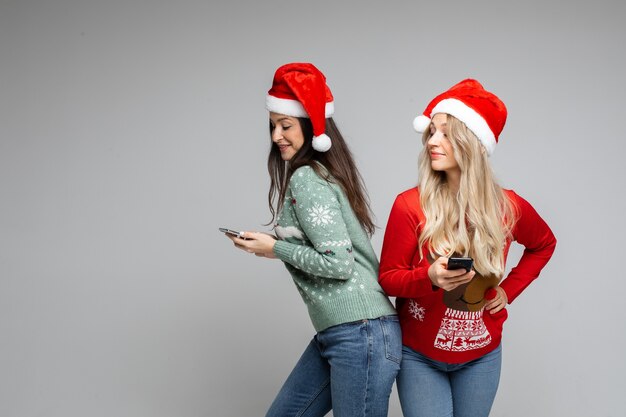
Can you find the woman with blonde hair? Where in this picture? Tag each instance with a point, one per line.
(452, 318)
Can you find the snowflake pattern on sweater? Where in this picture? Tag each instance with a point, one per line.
(416, 310)
(320, 214)
(319, 240)
(313, 210)
(462, 330)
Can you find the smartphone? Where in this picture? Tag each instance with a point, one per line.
(460, 263)
(231, 232)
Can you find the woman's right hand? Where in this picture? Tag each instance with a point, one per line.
(447, 280)
(258, 243)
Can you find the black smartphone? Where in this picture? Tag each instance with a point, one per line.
(460, 263)
(231, 232)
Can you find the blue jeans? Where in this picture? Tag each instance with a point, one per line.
(429, 388)
(349, 368)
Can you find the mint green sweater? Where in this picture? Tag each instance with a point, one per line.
(328, 253)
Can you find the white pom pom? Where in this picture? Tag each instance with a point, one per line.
(421, 123)
(321, 143)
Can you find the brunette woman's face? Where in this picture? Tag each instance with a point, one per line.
(439, 147)
(286, 134)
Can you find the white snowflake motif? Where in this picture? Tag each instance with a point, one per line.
(417, 311)
(320, 215)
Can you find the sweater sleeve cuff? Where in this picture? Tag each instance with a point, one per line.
(284, 250)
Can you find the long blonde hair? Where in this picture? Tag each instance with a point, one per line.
(478, 219)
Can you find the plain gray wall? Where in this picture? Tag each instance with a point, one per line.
(131, 130)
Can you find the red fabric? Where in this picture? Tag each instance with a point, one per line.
(426, 321)
(490, 294)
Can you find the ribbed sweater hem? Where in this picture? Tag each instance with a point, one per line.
(348, 309)
(283, 250)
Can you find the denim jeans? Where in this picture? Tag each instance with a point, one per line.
(429, 388)
(349, 368)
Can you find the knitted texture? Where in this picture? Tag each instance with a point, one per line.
(328, 253)
(433, 323)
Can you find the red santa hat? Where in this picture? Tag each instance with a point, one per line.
(300, 90)
(481, 111)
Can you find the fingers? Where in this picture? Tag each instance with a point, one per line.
(462, 278)
(455, 273)
(461, 274)
(241, 243)
(254, 242)
(449, 280)
(491, 304)
(242, 236)
(251, 235)
(498, 303)
(495, 309)
(450, 283)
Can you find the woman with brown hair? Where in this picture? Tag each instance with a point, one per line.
(323, 225)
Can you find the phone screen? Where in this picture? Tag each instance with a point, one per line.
(460, 263)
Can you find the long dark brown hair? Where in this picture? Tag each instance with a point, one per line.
(339, 165)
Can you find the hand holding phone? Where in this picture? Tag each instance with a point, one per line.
(231, 232)
(449, 273)
(460, 263)
(259, 244)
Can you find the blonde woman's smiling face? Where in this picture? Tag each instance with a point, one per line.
(286, 134)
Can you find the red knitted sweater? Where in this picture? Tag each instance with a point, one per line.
(434, 322)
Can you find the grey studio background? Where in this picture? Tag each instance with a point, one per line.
(131, 130)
